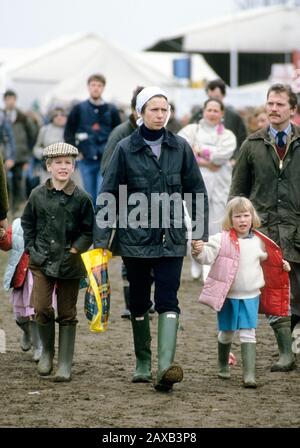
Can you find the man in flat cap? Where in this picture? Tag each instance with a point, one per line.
(57, 222)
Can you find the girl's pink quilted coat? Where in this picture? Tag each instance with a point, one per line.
(274, 295)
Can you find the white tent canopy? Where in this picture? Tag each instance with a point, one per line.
(59, 71)
(124, 73)
(272, 29)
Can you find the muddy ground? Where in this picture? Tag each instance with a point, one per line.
(102, 396)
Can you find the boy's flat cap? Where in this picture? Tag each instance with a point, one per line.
(59, 150)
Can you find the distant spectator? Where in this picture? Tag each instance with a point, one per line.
(262, 118)
(256, 118)
(52, 132)
(24, 133)
(88, 127)
(173, 125)
(7, 142)
(232, 120)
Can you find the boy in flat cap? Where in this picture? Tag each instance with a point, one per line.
(57, 222)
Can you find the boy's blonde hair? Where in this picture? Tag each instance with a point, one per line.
(239, 204)
(50, 160)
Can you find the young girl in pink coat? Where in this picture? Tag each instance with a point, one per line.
(247, 273)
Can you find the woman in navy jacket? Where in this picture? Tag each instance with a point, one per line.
(150, 165)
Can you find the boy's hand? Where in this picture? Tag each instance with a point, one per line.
(286, 266)
(197, 247)
(73, 250)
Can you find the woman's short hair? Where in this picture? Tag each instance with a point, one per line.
(240, 204)
(215, 100)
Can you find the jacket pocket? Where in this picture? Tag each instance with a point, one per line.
(178, 235)
(135, 237)
(137, 184)
(174, 183)
(264, 219)
(36, 258)
(72, 265)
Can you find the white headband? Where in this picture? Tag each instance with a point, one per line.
(145, 95)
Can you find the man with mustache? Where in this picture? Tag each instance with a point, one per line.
(267, 172)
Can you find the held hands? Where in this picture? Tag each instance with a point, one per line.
(197, 246)
(286, 266)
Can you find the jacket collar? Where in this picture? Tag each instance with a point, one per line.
(263, 134)
(137, 141)
(68, 189)
(266, 239)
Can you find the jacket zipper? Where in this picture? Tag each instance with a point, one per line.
(281, 160)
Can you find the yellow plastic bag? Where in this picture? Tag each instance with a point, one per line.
(97, 296)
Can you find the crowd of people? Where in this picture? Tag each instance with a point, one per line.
(57, 177)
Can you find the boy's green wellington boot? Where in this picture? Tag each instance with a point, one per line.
(47, 335)
(66, 343)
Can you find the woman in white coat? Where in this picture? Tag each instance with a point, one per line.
(213, 146)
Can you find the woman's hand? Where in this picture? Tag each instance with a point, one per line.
(197, 247)
(212, 167)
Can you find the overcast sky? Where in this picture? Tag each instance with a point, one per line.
(133, 24)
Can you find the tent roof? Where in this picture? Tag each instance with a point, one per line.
(124, 73)
(67, 62)
(272, 29)
(59, 70)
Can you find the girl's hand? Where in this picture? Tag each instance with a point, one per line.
(286, 266)
(197, 247)
(2, 232)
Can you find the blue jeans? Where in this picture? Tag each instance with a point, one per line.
(91, 177)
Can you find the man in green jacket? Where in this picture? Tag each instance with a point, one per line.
(267, 172)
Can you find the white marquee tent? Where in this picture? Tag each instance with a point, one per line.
(58, 71)
(273, 29)
(268, 30)
(259, 30)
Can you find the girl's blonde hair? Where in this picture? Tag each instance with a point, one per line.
(239, 204)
